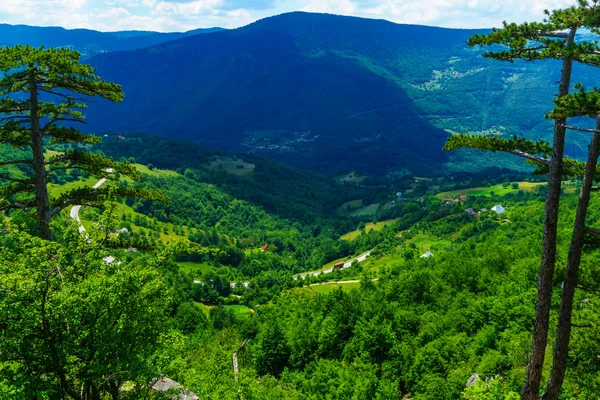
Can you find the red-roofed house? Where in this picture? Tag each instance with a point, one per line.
(462, 198)
(265, 247)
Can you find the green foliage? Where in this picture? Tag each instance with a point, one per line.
(42, 89)
(73, 323)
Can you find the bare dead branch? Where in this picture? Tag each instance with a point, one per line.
(575, 128)
(532, 157)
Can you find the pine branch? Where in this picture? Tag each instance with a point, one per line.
(10, 178)
(19, 206)
(64, 96)
(592, 230)
(61, 119)
(12, 162)
(50, 170)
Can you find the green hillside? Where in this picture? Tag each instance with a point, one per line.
(365, 95)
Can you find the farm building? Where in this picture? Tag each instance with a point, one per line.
(165, 384)
(427, 255)
(498, 209)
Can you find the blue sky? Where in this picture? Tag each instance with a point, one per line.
(182, 15)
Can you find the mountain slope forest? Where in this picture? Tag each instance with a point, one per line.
(269, 214)
(394, 324)
(331, 93)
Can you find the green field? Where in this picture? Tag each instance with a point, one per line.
(231, 167)
(154, 172)
(426, 242)
(328, 287)
(486, 191)
(238, 310)
(57, 190)
(193, 267)
(352, 204)
(353, 177)
(367, 211)
(376, 227)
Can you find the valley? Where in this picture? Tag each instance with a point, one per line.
(309, 206)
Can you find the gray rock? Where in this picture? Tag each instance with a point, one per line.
(473, 380)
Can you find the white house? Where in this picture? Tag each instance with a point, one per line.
(398, 194)
(427, 255)
(110, 259)
(498, 209)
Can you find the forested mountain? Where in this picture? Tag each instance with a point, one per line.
(328, 92)
(87, 42)
(166, 258)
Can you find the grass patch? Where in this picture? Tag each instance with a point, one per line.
(237, 167)
(425, 242)
(240, 310)
(205, 309)
(352, 204)
(376, 227)
(330, 287)
(56, 190)
(367, 211)
(353, 177)
(486, 191)
(195, 267)
(154, 172)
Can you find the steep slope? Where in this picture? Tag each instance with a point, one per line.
(259, 89)
(88, 42)
(331, 93)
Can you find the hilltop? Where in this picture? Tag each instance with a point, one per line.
(88, 42)
(330, 93)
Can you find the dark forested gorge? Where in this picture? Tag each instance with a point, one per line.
(172, 248)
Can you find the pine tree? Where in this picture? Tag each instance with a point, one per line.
(552, 39)
(42, 95)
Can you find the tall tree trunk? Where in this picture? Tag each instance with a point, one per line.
(531, 388)
(563, 334)
(37, 148)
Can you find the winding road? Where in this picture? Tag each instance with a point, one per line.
(75, 210)
(347, 264)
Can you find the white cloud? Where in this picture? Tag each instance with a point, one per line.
(178, 15)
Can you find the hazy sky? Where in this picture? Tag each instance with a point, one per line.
(182, 15)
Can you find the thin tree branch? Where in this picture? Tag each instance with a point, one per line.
(10, 178)
(532, 157)
(592, 230)
(575, 128)
(19, 206)
(55, 160)
(16, 162)
(588, 289)
(64, 168)
(64, 96)
(55, 120)
(562, 35)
